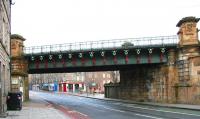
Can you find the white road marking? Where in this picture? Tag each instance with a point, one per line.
(100, 110)
(71, 111)
(114, 109)
(82, 114)
(165, 111)
(97, 105)
(128, 105)
(148, 116)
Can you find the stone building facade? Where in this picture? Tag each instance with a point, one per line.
(5, 7)
(95, 81)
(89, 82)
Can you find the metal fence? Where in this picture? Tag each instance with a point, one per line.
(104, 44)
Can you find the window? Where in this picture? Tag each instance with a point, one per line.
(90, 75)
(104, 75)
(95, 75)
(78, 78)
(108, 75)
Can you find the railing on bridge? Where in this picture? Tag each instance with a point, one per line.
(104, 44)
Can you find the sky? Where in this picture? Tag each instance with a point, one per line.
(45, 22)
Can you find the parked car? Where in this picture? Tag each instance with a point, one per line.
(14, 101)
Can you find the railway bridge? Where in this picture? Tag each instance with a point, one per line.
(159, 69)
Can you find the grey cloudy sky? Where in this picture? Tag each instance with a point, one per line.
(44, 22)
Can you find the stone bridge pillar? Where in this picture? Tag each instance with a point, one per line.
(19, 75)
(135, 83)
(171, 77)
(188, 86)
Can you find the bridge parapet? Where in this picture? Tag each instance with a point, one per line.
(104, 44)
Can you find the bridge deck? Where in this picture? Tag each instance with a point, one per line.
(143, 42)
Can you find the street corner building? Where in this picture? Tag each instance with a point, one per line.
(5, 29)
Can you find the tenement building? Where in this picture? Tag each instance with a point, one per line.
(5, 7)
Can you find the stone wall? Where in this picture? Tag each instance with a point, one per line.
(149, 83)
(136, 84)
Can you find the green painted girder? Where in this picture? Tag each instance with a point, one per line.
(99, 57)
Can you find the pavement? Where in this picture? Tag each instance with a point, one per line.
(37, 108)
(101, 97)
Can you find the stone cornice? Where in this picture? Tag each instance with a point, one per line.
(16, 36)
(187, 19)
